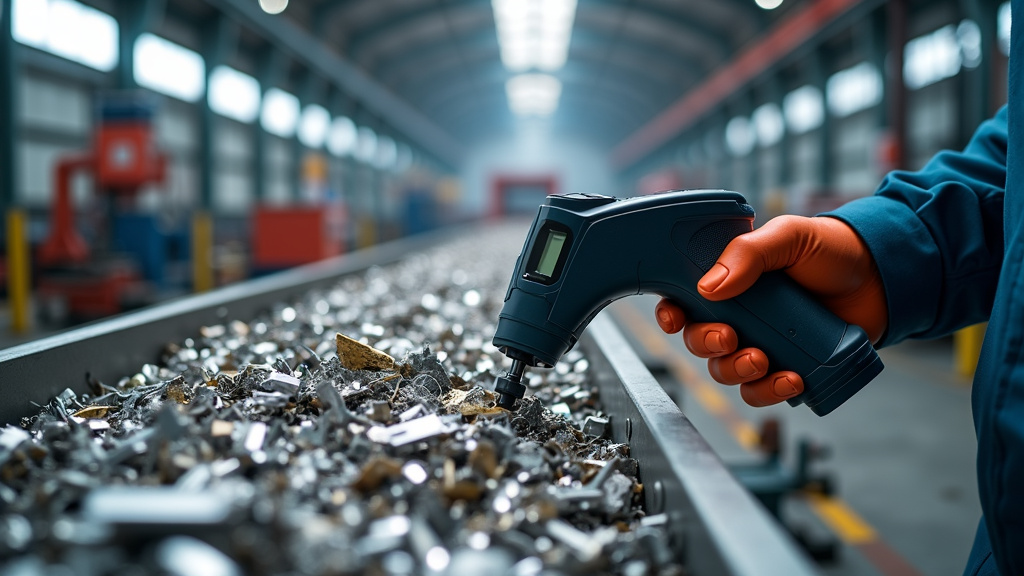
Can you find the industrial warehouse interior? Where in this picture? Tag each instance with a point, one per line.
(511, 287)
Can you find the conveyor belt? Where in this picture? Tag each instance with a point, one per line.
(717, 527)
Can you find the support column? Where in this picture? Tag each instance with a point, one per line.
(9, 72)
(819, 72)
(897, 35)
(220, 39)
(309, 93)
(134, 17)
(271, 69)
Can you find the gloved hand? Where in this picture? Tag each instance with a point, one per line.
(822, 254)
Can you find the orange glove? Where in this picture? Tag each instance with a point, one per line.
(822, 254)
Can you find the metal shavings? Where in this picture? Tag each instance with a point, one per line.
(284, 445)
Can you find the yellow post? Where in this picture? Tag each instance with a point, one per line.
(202, 252)
(366, 232)
(967, 348)
(18, 275)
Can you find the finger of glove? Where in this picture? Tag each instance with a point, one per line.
(671, 318)
(745, 365)
(775, 388)
(747, 256)
(710, 340)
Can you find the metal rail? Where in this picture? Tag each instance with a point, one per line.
(717, 527)
(720, 528)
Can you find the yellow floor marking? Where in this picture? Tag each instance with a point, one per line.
(842, 519)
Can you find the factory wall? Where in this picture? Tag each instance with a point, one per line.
(578, 166)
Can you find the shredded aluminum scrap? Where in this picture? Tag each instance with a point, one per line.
(349, 432)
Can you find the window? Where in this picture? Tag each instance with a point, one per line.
(314, 125)
(935, 56)
(803, 109)
(768, 124)
(366, 145)
(739, 136)
(854, 89)
(67, 29)
(168, 68)
(280, 114)
(387, 153)
(1003, 27)
(341, 140)
(234, 94)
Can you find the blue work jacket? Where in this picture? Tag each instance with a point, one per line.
(949, 243)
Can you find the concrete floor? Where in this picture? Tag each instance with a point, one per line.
(902, 450)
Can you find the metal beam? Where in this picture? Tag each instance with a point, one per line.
(645, 56)
(301, 46)
(9, 73)
(667, 75)
(460, 84)
(785, 38)
(366, 35)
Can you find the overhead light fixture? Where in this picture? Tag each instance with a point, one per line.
(273, 6)
(769, 4)
(314, 124)
(533, 94)
(534, 34)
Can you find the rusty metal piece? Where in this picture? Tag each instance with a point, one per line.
(92, 412)
(179, 391)
(355, 355)
(375, 472)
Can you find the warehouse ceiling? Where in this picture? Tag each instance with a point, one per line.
(627, 60)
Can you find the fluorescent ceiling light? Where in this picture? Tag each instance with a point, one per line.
(933, 57)
(68, 29)
(533, 94)
(234, 94)
(534, 34)
(273, 6)
(341, 140)
(803, 109)
(769, 4)
(313, 126)
(854, 89)
(768, 124)
(280, 114)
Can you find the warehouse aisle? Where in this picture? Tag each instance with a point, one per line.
(902, 450)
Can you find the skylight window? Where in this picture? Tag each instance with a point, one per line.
(234, 94)
(533, 94)
(534, 34)
(854, 89)
(314, 125)
(803, 109)
(168, 68)
(280, 114)
(68, 29)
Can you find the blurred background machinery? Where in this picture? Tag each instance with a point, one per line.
(270, 134)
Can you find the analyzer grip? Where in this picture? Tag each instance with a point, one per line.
(777, 315)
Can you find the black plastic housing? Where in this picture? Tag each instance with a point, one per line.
(663, 244)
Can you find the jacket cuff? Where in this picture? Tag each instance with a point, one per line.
(907, 259)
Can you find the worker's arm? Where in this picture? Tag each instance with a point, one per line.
(920, 258)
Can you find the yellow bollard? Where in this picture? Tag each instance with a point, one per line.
(18, 274)
(366, 233)
(967, 348)
(202, 252)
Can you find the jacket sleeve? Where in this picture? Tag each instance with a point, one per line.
(937, 236)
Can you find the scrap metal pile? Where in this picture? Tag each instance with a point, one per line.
(348, 432)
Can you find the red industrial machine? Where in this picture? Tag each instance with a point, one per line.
(124, 158)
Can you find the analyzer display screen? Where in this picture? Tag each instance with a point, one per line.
(549, 256)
